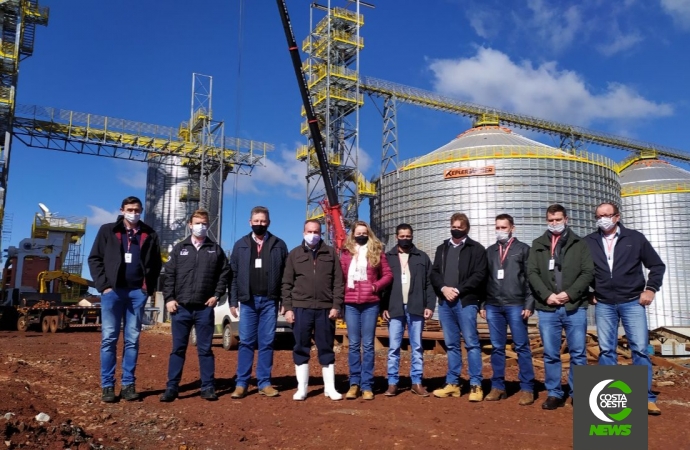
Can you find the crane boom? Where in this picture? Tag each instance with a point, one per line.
(332, 208)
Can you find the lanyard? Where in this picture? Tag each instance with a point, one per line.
(554, 242)
(502, 254)
(131, 232)
(259, 244)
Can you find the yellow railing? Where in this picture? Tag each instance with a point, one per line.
(338, 94)
(660, 188)
(645, 154)
(508, 152)
(315, 213)
(303, 150)
(189, 195)
(321, 71)
(317, 44)
(364, 187)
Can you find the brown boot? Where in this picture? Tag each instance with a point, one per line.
(239, 392)
(418, 389)
(367, 395)
(526, 398)
(496, 395)
(353, 393)
(269, 391)
(392, 391)
(652, 409)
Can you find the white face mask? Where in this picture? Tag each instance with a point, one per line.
(199, 230)
(312, 239)
(557, 229)
(503, 236)
(132, 218)
(605, 223)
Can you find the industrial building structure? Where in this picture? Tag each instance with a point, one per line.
(488, 169)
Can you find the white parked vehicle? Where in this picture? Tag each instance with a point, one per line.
(228, 327)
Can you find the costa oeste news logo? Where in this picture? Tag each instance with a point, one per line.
(610, 407)
(601, 403)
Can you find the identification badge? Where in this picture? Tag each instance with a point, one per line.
(128, 258)
(500, 274)
(257, 263)
(403, 278)
(552, 264)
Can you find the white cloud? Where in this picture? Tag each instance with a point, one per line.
(100, 216)
(284, 172)
(556, 27)
(679, 10)
(131, 173)
(491, 78)
(482, 21)
(621, 42)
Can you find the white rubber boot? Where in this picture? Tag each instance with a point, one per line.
(329, 382)
(302, 373)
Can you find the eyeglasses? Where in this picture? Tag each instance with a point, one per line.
(607, 216)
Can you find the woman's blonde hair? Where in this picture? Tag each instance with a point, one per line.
(374, 246)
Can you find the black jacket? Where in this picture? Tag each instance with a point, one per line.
(514, 288)
(241, 265)
(631, 253)
(107, 256)
(315, 283)
(421, 295)
(193, 276)
(472, 276)
(577, 270)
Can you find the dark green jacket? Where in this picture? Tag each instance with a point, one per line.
(577, 271)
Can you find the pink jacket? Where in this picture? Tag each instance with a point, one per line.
(380, 276)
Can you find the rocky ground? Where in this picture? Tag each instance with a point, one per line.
(58, 375)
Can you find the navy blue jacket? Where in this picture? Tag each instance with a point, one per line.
(240, 263)
(627, 281)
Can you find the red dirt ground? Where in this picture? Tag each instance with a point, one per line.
(58, 374)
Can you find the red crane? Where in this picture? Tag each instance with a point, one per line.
(331, 206)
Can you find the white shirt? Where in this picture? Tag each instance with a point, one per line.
(610, 246)
(462, 241)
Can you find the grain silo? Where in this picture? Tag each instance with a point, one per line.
(656, 201)
(486, 171)
(171, 195)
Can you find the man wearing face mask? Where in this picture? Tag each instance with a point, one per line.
(458, 276)
(257, 262)
(509, 303)
(408, 301)
(621, 293)
(313, 294)
(125, 264)
(196, 276)
(560, 271)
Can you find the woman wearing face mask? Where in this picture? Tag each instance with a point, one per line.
(366, 274)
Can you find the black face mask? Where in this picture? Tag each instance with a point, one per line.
(362, 240)
(405, 243)
(259, 230)
(458, 234)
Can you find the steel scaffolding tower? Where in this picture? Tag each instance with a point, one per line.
(332, 70)
(18, 20)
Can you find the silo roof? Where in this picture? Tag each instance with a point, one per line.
(496, 142)
(649, 171)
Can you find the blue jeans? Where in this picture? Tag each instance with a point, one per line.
(459, 320)
(551, 326)
(361, 327)
(499, 319)
(634, 319)
(200, 317)
(120, 308)
(396, 328)
(258, 319)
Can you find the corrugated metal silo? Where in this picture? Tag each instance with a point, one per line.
(656, 201)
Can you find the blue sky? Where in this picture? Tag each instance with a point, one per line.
(619, 67)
